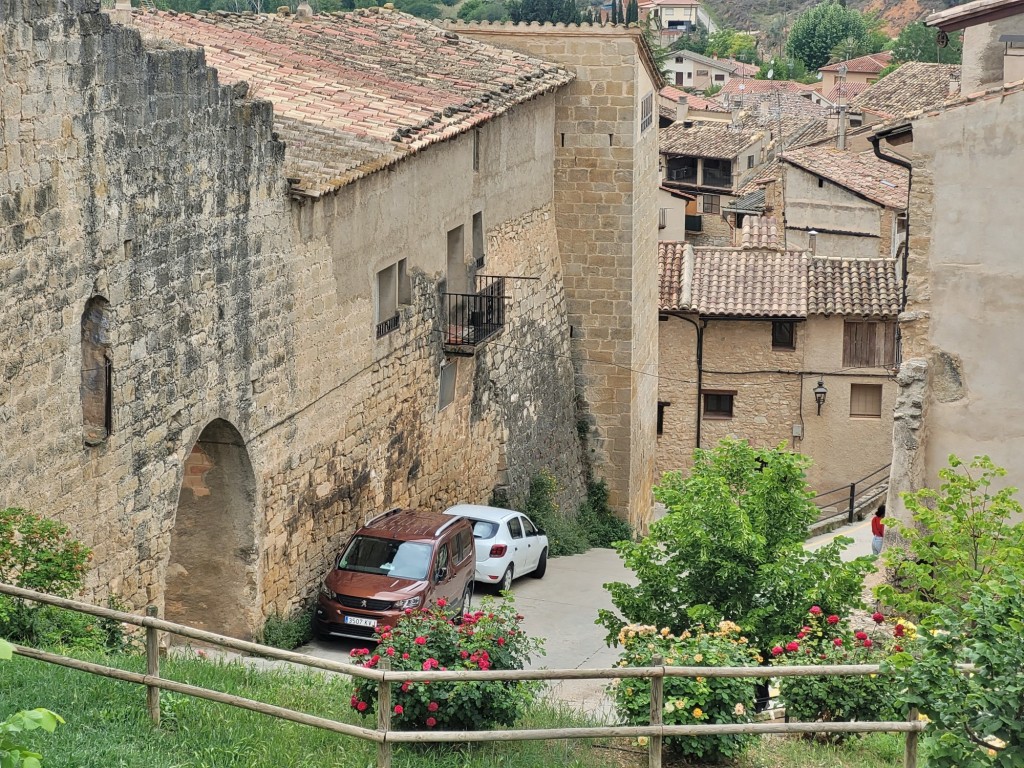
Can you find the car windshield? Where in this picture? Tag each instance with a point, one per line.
(401, 559)
(484, 529)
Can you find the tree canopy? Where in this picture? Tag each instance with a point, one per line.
(819, 30)
(544, 10)
(732, 44)
(919, 43)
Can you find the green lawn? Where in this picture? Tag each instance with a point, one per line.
(107, 727)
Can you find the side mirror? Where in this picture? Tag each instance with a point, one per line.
(441, 574)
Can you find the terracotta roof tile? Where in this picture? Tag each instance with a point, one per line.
(863, 287)
(707, 138)
(861, 172)
(846, 91)
(914, 85)
(761, 232)
(751, 85)
(705, 105)
(354, 92)
(871, 64)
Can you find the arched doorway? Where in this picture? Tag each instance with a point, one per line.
(210, 581)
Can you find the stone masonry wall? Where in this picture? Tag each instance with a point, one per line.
(608, 257)
(230, 302)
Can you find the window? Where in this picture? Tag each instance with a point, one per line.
(821, 182)
(528, 527)
(457, 277)
(463, 546)
(689, 75)
(476, 150)
(718, 404)
(866, 400)
(662, 218)
(719, 78)
(515, 529)
(750, 161)
(393, 290)
(783, 334)
(97, 372)
(446, 384)
(869, 344)
(682, 169)
(717, 172)
(702, 73)
(441, 569)
(647, 112)
(661, 416)
(712, 203)
(478, 239)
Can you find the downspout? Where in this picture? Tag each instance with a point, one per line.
(700, 361)
(875, 140)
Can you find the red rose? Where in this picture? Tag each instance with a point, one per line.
(877, 617)
(464, 654)
(792, 645)
(833, 619)
(867, 642)
(429, 664)
(361, 706)
(421, 640)
(805, 630)
(837, 642)
(405, 687)
(861, 635)
(432, 706)
(898, 630)
(501, 641)
(408, 611)
(897, 648)
(398, 709)
(801, 635)
(441, 602)
(390, 651)
(815, 610)
(484, 665)
(431, 722)
(777, 651)
(354, 701)
(405, 655)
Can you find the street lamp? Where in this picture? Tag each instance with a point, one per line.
(820, 393)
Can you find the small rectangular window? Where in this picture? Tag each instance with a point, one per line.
(718, 404)
(719, 78)
(647, 112)
(783, 334)
(457, 277)
(866, 400)
(661, 416)
(446, 384)
(712, 203)
(662, 218)
(476, 150)
(478, 239)
(750, 161)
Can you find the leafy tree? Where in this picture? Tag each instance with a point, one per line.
(731, 548)
(818, 30)
(632, 12)
(711, 90)
(425, 9)
(544, 10)
(696, 41)
(960, 535)
(483, 10)
(732, 44)
(785, 69)
(918, 43)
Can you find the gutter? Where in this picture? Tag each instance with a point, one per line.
(904, 130)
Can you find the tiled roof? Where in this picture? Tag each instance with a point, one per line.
(871, 64)
(732, 66)
(861, 172)
(730, 282)
(863, 287)
(354, 92)
(914, 85)
(705, 105)
(846, 91)
(761, 232)
(751, 85)
(677, 193)
(673, 94)
(749, 202)
(707, 138)
(786, 103)
(970, 14)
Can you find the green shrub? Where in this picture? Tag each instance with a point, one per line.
(598, 521)
(12, 753)
(489, 638)
(828, 640)
(689, 700)
(565, 536)
(287, 633)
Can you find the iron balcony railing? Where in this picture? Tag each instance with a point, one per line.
(387, 326)
(717, 179)
(475, 317)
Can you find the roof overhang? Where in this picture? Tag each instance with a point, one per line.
(972, 14)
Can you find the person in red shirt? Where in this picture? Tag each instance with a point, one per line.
(877, 530)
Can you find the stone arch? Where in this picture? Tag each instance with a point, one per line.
(97, 372)
(210, 580)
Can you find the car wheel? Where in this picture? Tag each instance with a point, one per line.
(467, 599)
(542, 566)
(506, 580)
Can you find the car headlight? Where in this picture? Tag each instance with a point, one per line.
(412, 602)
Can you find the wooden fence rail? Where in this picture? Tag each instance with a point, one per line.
(384, 736)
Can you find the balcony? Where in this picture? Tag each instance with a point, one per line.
(474, 317)
(684, 175)
(718, 179)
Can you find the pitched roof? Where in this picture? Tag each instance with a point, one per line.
(861, 287)
(354, 92)
(914, 85)
(871, 64)
(752, 85)
(732, 66)
(707, 138)
(846, 91)
(729, 282)
(677, 193)
(696, 102)
(760, 232)
(970, 14)
(749, 202)
(861, 172)
(670, 92)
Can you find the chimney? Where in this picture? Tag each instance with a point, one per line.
(736, 107)
(122, 12)
(841, 138)
(682, 108)
(812, 242)
(304, 11)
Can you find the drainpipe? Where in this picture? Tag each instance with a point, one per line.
(900, 130)
(700, 359)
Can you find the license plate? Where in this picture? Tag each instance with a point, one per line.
(359, 621)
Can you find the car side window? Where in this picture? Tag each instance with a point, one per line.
(466, 547)
(515, 529)
(528, 527)
(442, 558)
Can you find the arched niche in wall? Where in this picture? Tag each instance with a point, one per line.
(97, 371)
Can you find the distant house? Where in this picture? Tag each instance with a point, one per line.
(844, 203)
(863, 69)
(693, 70)
(746, 336)
(678, 105)
(675, 17)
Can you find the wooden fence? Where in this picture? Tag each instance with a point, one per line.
(385, 736)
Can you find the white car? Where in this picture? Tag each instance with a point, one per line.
(508, 544)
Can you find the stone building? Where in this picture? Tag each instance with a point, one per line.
(246, 307)
(746, 334)
(961, 343)
(606, 217)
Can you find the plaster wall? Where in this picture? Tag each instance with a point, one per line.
(983, 56)
(675, 216)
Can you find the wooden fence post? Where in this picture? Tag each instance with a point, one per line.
(657, 702)
(910, 751)
(153, 668)
(384, 718)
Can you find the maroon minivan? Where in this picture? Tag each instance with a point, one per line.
(402, 559)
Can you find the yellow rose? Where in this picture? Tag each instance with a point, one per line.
(739, 709)
(642, 741)
(670, 661)
(700, 679)
(698, 713)
(698, 657)
(665, 631)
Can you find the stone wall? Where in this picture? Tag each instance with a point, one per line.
(606, 213)
(230, 304)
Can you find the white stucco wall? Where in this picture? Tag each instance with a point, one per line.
(830, 209)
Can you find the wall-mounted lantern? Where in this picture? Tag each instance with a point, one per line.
(820, 393)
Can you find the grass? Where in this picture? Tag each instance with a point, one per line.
(876, 750)
(107, 725)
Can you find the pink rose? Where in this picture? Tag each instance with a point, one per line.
(421, 640)
(361, 706)
(777, 650)
(867, 642)
(432, 706)
(837, 642)
(405, 655)
(833, 619)
(792, 645)
(398, 709)
(815, 610)
(431, 722)
(441, 602)
(501, 641)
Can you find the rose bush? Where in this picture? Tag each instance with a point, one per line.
(828, 640)
(689, 700)
(490, 638)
